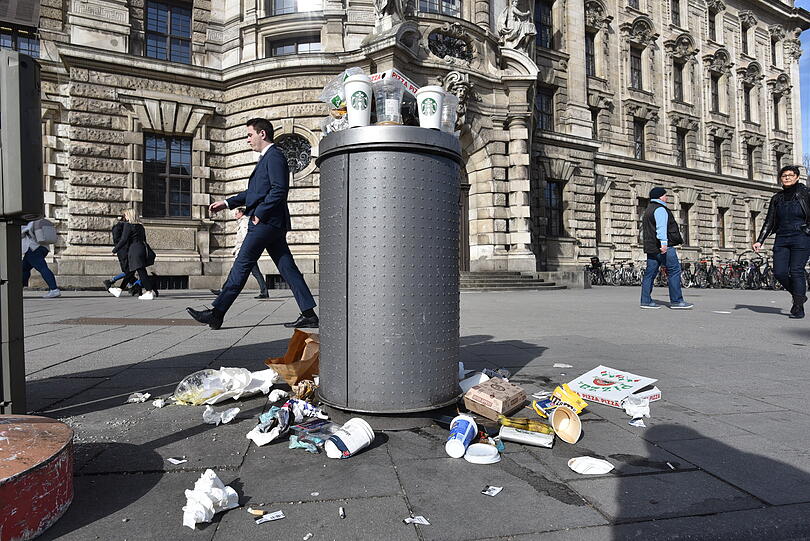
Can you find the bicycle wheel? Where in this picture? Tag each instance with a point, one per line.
(686, 278)
(731, 277)
(716, 278)
(768, 281)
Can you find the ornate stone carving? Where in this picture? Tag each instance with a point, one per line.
(640, 32)
(296, 149)
(687, 195)
(595, 17)
(683, 47)
(780, 85)
(451, 43)
(719, 62)
(459, 85)
(680, 120)
(558, 168)
(724, 200)
(777, 32)
(716, 6)
(747, 19)
(515, 27)
(393, 8)
(793, 47)
(752, 75)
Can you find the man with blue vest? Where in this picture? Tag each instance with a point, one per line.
(661, 235)
(265, 202)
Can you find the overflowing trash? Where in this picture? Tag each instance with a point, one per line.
(528, 437)
(136, 398)
(213, 417)
(213, 386)
(208, 497)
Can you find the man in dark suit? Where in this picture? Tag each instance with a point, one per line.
(265, 202)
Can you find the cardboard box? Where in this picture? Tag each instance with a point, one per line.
(494, 397)
(605, 385)
(410, 87)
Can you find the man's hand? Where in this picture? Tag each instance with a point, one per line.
(663, 249)
(757, 246)
(255, 220)
(217, 206)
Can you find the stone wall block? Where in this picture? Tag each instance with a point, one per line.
(303, 237)
(77, 88)
(83, 163)
(305, 222)
(519, 159)
(96, 208)
(499, 199)
(304, 194)
(98, 150)
(95, 193)
(98, 179)
(94, 238)
(96, 106)
(91, 223)
(77, 133)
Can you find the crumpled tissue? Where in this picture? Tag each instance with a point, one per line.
(636, 407)
(209, 497)
(136, 398)
(213, 417)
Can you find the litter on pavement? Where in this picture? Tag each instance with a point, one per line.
(609, 386)
(562, 365)
(213, 417)
(159, 402)
(176, 461)
(213, 386)
(639, 422)
(636, 406)
(136, 398)
(588, 465)
(418, 519)
(491, 490)
(269, 517)
(208, 497)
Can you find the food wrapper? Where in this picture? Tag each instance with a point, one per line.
(564, 395)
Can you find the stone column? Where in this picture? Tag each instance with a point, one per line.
(481, 14)
(578, 116)
(521, 257)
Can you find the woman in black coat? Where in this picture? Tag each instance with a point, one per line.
(789, 217)
(133, 239)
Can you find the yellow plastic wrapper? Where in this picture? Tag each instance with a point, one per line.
(565, 395)
(532, 425)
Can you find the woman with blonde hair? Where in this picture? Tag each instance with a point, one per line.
(133, 237)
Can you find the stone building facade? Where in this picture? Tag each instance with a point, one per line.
(570, 110)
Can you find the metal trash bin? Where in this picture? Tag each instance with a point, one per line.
(389, 278)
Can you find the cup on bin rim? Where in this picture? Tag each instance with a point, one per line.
(429, 100)
(357, 89)
(449, 113)
(388, 96)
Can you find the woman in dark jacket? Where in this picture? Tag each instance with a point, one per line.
(133, 239)
(789, 217)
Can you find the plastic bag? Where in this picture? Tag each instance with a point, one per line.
(333, 90)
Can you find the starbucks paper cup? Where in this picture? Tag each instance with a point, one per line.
(429, 101)
(357, 90)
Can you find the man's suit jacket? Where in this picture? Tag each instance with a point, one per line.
(266, 194)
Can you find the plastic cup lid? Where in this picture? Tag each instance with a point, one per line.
(482, 453)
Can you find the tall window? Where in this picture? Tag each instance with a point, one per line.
(166, 176)
(23, 40)
(721, 227)
(641, 207)
(777, 100)
(595, 123)
(544, 105)
(713, 26)
(747, 103)
(675, 12)
(633, 4)
(677, 80)
(680, 146)
(715, 91)
(774, 44)
(168, 32)
(598, 200)
(444, 7)
(779, 157)
(636, 75)
(744, 36)
(753, 226)
(543, 23)
(554, 209)
(718, 155)
(684, 221)
(638, 139)
(590, 54)
(749, 160)
(282, 7)
(286, 47)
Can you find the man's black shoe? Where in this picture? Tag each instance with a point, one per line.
(303, 322)
(262, 296)
(215, 291)
(797, 310)
(107, 284)
(212, 317)
(135, 291)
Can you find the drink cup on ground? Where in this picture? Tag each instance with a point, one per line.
(462, 431)
(354, 435)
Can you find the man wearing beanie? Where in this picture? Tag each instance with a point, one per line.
(661, 235)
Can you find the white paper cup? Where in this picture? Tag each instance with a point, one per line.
(462, 431)
(357, 90)
(429, 101)
(354, 435)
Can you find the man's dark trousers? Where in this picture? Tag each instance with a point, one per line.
(262, 237)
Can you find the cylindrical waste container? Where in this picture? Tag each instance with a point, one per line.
(389, 301)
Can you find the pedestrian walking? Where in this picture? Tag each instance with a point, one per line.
(660, 235)
(789, 218)
(265, 202)
(133, 239)
(34, 258)
(241, 232)
(109, 284)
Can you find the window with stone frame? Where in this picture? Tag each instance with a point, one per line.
(779, 158)
(718, 154)
(599, 201)
(749, 160)
(752, 228)
(677, 80)
(590, 54)
(292, 46)
(544, 108)
(680, 146)
(675, 12)
(283, 7)
(744, 38)
(19, 38)
(777, 117)
(554, 209)
(639, 145)
(721, 226)
(166, 176)
(774, 49)
(714, 89)
(544, 23)
(636, 71)
(595, 123)
(168, 31)
(641, 207)
(747, 102)
(685, 213)
(712, 16)
(451, 8)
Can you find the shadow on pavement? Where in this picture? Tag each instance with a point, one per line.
(759, 309)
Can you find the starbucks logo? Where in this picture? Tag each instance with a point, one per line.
(360, 100)
(429, 107)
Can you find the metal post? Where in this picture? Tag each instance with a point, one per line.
(12, 352)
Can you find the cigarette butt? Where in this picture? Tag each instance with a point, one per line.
(670, 466)
(342, 513)
(257, 512)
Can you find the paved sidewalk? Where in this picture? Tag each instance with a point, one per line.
(733, 424)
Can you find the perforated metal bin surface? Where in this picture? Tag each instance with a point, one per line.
(389, 301)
